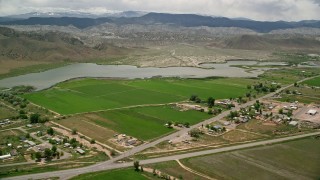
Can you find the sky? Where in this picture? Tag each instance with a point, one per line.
(265, 10)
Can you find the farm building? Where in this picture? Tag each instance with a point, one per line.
(293, 123)
(5, 156)
(80, 151)
(312, 112)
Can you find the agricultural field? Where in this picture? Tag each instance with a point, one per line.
(88, 95)
(308, 95)
(121, 174)
(313, 82)
(288, 75)
(144, 123)
(296, 159)
(6, 113)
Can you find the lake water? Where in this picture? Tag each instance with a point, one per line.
(46, 79)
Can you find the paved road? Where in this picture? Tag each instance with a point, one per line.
(65, 174)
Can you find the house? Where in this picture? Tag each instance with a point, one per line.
(9, 145)
(131, 142)
(5, 156)
(80, 151)
(29, 125)
(22, 138)
(67, 144)
(30, 143)
(293, 123)
(312, 112)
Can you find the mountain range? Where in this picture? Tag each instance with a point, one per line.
(132, 17)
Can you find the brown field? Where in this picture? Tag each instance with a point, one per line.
(239, 136)
(84, 125)
(8, 65)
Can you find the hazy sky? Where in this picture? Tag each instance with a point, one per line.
(271, 10)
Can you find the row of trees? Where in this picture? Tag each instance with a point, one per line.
(210, 101)
(36, 118)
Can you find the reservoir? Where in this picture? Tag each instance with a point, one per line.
(46, 79)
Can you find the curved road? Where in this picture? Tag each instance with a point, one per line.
(110, 164)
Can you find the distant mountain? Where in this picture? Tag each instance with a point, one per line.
(128, 14)
(185, 20)
(59, 21)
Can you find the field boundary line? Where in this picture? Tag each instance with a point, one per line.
(193, 171)
(127, 107)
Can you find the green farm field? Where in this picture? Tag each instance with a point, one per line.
(121, 174)
(313, 82)
(89, 95)
(144, 123)
(291, 160)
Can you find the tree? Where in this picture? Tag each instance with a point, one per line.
(47, 153)
(34, 118)
(193, 97)
(211, 101)
(54, 149)
(74, 131)
(50, 131)
(169, 124)
(136, 165)
(198, 100)
(92, 141)
(141, 169)
(27, 135)
(280, 111)
(195, 133)
(73, 140)
(38, 156)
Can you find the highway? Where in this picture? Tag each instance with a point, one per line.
(111, 164)
(108, 165)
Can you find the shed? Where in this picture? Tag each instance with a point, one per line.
(80, 151)
(31, 143)
(312, 112)
(293, 123)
